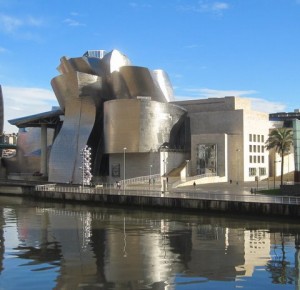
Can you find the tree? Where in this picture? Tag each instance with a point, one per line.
(281, 140)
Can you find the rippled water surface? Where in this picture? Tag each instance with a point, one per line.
(58, 246)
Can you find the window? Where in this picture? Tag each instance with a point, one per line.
(252, 171)
(250, 148)
(262, 171)
(262, 149)
(258, 138)
(263, 159)
(254, 148)
(258, 148)
(250, 137)
(262, 138)
(258, 159)
(250, 158)
(254, 138)
(254, 159)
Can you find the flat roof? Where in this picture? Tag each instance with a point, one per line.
(50, 118)
(282, 116)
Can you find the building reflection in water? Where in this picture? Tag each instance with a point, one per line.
(127, 249)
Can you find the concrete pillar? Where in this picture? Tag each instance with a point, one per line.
(44, 149)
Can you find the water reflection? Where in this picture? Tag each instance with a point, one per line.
(78, 247)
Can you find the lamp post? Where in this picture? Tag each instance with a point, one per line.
(275, 170)
(237, 163)
(150, 173)
(187, 167)
(124, 170)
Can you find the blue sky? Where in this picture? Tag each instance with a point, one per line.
(247, 48)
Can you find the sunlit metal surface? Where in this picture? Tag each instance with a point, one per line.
(164, 83)
(28, 155)
(140, 125)
(108, 103)
(1, 111)
(78, 93)
(140, 82)
(114, 60)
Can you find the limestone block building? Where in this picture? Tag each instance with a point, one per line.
(227, 138)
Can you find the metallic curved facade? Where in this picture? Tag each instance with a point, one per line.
(140, 125)
(109, 104)
(1, 111)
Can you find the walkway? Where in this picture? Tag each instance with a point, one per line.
(217, 192)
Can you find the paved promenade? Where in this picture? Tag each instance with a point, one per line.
(243, 188)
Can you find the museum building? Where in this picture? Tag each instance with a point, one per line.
(129, 118)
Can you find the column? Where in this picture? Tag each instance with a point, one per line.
(44, 149)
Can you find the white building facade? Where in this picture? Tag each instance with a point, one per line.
(228, 138)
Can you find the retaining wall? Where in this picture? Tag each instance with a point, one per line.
(235, 207)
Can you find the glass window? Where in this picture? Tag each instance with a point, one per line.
(262, 171)
(250, 148)
(258, 159)
(254, 138)
(258, 148)
(250, 158)
(262, 138)
(254, 148)
(262, 148)
(252, 171)
(263, 159)
(250, 137)
(254, 159)
(258, 138)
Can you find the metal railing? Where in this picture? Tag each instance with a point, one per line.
(193, 194)
(141, 179)
(194, 177)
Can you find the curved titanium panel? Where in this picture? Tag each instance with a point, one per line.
(114, 60)
(65, 158)
(89, 65)
(139, 125)
(78, 93)
(28, 158)
(140, 82)
(1, 111)
(164, 83)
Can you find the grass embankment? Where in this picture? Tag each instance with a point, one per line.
(275, 191)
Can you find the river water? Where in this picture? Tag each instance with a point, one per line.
(66, 246)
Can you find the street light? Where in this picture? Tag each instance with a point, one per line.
(237, 172)
(124, 163)
(275, 170)
(150, 173)
(187, 167)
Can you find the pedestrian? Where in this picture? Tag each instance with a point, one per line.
(194, 184)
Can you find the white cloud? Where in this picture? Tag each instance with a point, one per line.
(15, 26)
(205, 6)
(258, 104)
(73, 22)
(136, 5)
(9, 24)
(191, 46)
(266, 106)
(2, 49)
(21, 102)
(211, 93)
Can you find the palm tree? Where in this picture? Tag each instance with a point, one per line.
(281, 140)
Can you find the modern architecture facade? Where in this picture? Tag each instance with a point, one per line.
(290, 120)
(129, 118)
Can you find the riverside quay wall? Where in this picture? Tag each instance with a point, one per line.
(229, 204)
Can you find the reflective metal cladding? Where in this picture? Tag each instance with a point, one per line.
(107, 103)
(140, 125)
